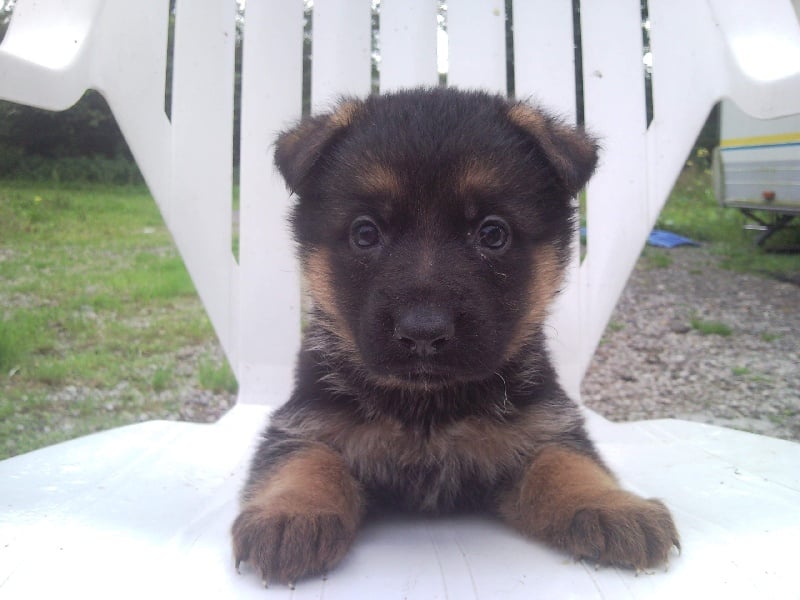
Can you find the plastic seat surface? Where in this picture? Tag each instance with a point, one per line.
(145, 511)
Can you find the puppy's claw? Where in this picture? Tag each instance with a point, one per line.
(265, 579)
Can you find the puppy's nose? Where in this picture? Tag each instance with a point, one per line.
(424, 329)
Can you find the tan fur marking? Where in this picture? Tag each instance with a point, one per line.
(477, 178)
(558, 481)
(344, 114)
(317, 271)
(528, 118)
(377, 179)
(571, 501)
(314, 480)
(544, 285)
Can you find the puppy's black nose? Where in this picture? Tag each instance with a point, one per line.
(424, 329)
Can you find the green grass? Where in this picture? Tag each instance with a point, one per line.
(655, 258)
(93, 296)
(216, 377)
(161, 379)
(710, 327)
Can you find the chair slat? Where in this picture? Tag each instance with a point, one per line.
(269, 289)
(544, 58)
(408, 44)
(340, 51)
(477, 45)
(202, 130)
(616, 215)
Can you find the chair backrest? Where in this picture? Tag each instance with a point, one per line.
(701, 51)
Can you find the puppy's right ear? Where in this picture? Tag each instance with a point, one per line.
(298, 149)
(571, 151)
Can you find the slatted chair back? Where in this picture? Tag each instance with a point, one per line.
(649, 74)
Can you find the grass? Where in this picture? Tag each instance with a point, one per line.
(94, 298)
(655, 258)
(216, 377)
(710, 327)
(161, 379)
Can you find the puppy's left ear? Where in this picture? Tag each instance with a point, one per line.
(570, 150)
(298, 149)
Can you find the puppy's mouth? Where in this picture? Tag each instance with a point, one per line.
(415, 375)
(423, 346)
(422, 370)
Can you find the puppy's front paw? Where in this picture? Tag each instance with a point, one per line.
(287, 546)
(620, 528)
(571, 501)
(300, 518)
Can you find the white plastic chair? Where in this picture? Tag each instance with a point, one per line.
(146, 509)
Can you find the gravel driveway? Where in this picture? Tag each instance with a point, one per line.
(654, 360)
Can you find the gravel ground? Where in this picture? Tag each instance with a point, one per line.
(654, 361)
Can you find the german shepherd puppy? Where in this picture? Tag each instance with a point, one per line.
(433, 229)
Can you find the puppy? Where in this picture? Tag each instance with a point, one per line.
(433, 229)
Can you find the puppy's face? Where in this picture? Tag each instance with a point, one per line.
(433, 228)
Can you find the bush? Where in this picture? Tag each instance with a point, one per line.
(96, 169)
(10, 160)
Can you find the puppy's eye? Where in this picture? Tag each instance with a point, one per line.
(364, 233)
(493, 233)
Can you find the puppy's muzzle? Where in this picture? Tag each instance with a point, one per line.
(424, 330)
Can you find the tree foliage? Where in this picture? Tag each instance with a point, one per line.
(87, 129)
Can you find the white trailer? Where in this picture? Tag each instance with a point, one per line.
(757, 168)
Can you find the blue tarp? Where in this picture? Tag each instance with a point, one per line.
(667, 239)
(661, 239)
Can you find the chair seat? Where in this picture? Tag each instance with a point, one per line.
(145, 510)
